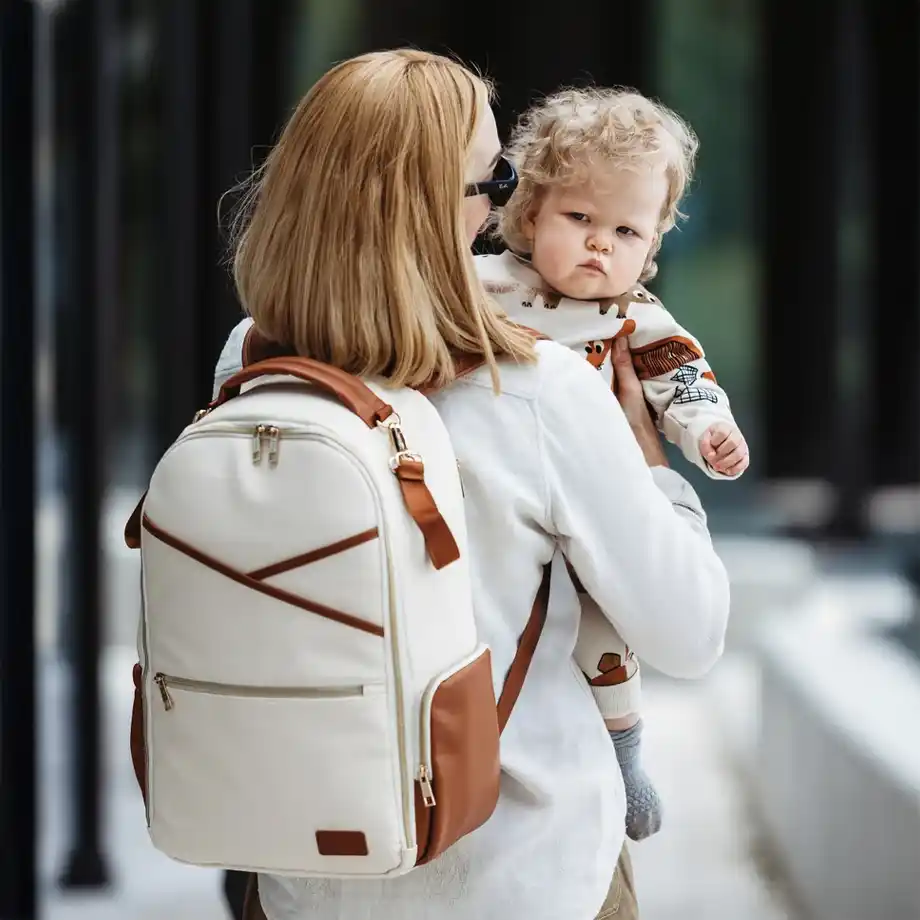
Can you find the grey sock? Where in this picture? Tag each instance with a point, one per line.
(643, 805)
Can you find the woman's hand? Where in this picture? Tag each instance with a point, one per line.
(632, 400)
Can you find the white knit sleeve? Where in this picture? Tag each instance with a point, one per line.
(640, 549)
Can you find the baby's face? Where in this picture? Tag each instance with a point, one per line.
(591, 239)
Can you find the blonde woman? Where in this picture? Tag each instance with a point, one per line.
(354, 249)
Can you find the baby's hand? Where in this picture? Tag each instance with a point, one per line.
(723, 447)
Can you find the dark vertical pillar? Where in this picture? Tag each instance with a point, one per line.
(181, 43)
(893, 39)
(221, 107)
(17, 468)
(91, 44)
(849, 466)
(245, 115)
(799, 164)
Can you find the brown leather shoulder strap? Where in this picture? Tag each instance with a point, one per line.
(352, 392)
(527, 645)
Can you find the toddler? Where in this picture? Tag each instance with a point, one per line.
(601, 175)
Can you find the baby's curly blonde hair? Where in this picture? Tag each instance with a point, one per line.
(557, 140)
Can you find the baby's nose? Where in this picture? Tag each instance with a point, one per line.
(600, 243)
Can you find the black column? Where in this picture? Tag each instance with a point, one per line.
(799, 160)
(87, 87)
(221, 107)
(183, 217)
(244, 117)
(893, 37)
(799, 170)
(17, 466)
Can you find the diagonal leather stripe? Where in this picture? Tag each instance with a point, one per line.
(295, 562)
(279, 594)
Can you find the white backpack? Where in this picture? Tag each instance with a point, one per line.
(312, 698)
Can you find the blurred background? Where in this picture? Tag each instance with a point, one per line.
(791, 776)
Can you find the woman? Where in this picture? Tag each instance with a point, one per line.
(354, 249)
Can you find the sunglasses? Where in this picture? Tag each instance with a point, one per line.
(500, 187)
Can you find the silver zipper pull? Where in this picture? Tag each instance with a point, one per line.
(274, 435)
(160, 681)
(257, 435)
(398, 438)
(424, 780)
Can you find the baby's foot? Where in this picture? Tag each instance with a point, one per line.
(643, 804)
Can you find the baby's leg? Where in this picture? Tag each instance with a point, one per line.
(612, 670)
(613, 674)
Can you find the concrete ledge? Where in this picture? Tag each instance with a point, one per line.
(837, 769)
(769, 577)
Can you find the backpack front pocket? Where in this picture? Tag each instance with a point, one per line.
(240, 779)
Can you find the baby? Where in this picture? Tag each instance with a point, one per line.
(601, 175)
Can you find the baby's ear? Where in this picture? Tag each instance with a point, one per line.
(527, 223)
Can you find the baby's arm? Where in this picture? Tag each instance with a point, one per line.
(692, 410)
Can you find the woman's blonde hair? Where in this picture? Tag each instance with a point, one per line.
(350, 244)
(564, 135)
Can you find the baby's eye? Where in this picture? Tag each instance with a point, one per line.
(577, 215)
(626, 231)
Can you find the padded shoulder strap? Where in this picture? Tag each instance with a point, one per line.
(527, 645)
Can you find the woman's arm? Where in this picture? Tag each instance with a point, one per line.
(636, 537)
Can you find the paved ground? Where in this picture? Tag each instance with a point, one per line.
(704, 865)
(701, 867)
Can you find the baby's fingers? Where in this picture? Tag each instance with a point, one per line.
(728, 445)
(735, 463)
(706, 448)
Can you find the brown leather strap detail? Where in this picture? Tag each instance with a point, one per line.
(341, 843)
(439, 541)
(279, 594)
(295, 562)
(133, 525)
(527, 645)
(353, 393)
(137, 737)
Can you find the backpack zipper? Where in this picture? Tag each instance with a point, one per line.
(425, 775)
(165, 681)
